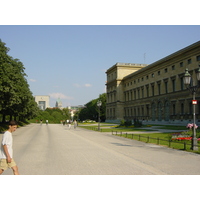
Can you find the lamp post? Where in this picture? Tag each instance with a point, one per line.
(193, 89)
(99, 105)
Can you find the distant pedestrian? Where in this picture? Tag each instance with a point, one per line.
(47, 122)
(41, 122)
(6, 151)
(75, 124)
(69, 125)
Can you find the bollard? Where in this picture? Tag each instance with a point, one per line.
(158, 141)
(184, 145)
(169, 143)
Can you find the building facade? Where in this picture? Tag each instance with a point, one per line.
(42, 101)
(153, 93)
(58, 104)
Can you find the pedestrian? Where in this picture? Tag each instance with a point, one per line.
(41, 122)
(6, 151)
(47, 122)
(75, 124)
(69, 125)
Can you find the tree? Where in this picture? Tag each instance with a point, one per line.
(91, 109)
(16, 98)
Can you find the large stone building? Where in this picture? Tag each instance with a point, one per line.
(42, 101)
(153, 93)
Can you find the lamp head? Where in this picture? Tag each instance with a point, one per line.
(187, 77)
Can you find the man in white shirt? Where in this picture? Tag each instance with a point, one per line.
(6, 151)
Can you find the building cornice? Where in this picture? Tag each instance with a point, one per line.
(165, 59)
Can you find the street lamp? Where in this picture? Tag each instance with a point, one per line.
(193, 89)
(99, 105)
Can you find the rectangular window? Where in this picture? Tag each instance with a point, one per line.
(181, 64)
(138, 93)
(147, 89)
(142, 93)
(198, 58)
(182, 84)
(174, 109)
(166, 87)
(152, 87)
(42, 105)
(159, 89)
(189, 61)
(174, 85)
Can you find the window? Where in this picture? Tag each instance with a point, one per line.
(158, 88)
(166, 70)
(152, 88)
(138, 93)
(173, 67)
(134, 94)
(131, 95)
(152, 75)
(182, 84)
(174, 109)
(181, 64)
(189, 61)
(182, 108)
(142, 92)
(174, 85)
(198, 58)
(147, 89)
(166, 87)
(158, 72)
(42, 105)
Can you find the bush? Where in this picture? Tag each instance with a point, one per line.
(137, 123)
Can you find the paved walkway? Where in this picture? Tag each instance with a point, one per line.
(54, 149)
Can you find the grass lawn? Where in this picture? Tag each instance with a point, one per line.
(163, 139)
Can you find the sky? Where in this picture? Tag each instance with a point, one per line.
(69, 62)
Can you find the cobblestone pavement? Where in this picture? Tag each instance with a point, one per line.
(55, 150)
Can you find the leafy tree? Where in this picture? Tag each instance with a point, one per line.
(15, 96)
(91, 109)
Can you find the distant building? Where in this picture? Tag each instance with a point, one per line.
(42, 101)
(59, 103)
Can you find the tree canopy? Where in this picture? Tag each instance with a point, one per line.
(90, 111)
(16, 99)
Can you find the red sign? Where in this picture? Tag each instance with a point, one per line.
(194, 102)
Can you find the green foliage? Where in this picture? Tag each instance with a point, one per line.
(16, 99)
(91, 110)
(54, 115)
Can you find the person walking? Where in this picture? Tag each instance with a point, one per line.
(69, 125)
(6, 151)
(75, 124)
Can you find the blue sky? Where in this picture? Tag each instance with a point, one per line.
(70, 61)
